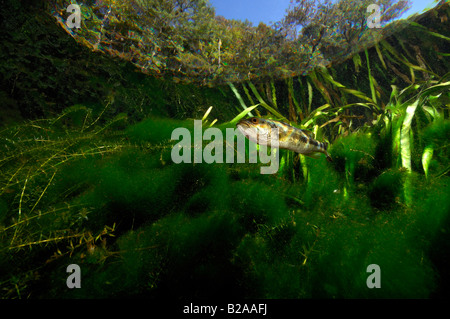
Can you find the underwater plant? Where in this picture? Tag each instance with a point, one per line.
(95, 185)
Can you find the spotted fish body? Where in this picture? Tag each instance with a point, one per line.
(291, 138)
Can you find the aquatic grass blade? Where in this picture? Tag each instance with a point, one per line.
(426, 158)
(274, 93)
(207, 113)
(380, 55)
(238, 96)
(403, 60)
(314, 115)
(264, 104)
(444, 87)
(310, 95)
(243, 114)
(428, 31)
(247, 93)
(405, 135)
(359, 94)
(371, 79)
(356, 61)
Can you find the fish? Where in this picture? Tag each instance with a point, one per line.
(260, 131)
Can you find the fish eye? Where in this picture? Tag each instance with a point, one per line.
(254, 120)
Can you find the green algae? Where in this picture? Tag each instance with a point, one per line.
(142, 225)
(104, 193)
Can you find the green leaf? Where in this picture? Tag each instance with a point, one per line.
(328, 77)
(432, 111)
(207, 113)
(314, 115)
(238, 96)
(357, 62)
(391, 50)
(242, 114)
(438, 87)
(405, 135)
(429, 32)
(264, 104)
(310, 95)
(426, 158)
(359, 94)
(380, 55)
(371, 80)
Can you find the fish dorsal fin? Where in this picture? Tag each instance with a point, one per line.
(308, 133)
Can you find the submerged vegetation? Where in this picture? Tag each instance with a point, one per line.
(92, 182)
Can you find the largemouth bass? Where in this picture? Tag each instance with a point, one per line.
(260, 131)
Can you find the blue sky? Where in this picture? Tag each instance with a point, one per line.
(273, 10)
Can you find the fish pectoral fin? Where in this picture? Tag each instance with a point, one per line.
(308, 133)
(317, 155)
(313, 155)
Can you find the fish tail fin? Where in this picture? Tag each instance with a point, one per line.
(329, 159)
